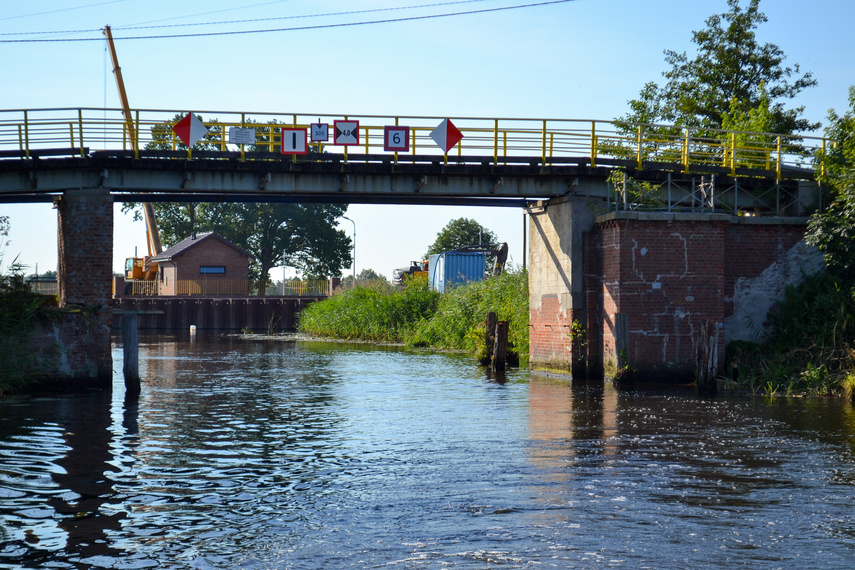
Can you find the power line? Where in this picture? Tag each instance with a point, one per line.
(61, 10)
(302, 16)
(294, 29)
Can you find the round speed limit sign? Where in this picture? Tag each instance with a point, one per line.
(396, 139)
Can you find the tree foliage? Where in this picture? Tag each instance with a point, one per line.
(302, 236)
(461, 232)
(833, 230)
(729, 76)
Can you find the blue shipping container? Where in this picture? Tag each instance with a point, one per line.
(451, 268)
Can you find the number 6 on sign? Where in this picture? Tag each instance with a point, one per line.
(294, 141)
(396, 139)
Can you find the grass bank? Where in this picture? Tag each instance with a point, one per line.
(811, 347)
(417, 316)
(19, 311)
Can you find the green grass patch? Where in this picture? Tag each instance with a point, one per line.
(418, 316)
(19, 312)
(810, 348)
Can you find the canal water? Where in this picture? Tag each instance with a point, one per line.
(254, 454)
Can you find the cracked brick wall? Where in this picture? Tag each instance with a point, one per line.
(668, 273)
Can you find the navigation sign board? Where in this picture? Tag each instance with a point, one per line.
(396, 138)
(241, 135)
(346, 132)
(320, 132)
(190, 129)
(446, 135)
(294, 141)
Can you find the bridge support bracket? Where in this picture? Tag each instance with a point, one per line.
(421, 183)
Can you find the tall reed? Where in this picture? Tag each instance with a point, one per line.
(419, 316)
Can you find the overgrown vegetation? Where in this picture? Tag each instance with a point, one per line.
(811, 346)
(459, 320)
(418, 316)
(373, 311)
(19, 310)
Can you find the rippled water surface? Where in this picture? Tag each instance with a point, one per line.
(312, 455)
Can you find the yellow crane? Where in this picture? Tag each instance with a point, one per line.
(136, 267)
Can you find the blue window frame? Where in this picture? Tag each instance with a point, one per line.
(212, 269)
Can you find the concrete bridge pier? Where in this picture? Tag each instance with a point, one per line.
(558, 318)
(85, 228)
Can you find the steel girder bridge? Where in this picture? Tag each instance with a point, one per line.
(138, 157)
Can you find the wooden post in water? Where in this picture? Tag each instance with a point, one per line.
(131, 353)
(706, 358)
(500, 349)
(489, 337)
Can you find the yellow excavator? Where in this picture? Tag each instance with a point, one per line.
(136, 268)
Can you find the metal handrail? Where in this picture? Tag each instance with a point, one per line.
(230, 287)
(547, 140)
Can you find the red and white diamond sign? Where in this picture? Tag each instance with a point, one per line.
(446, 135)
(190, 129)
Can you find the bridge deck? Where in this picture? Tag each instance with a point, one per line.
(498, 162)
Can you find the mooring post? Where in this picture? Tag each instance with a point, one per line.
(131, 352)
(500, 349)
(489, 336)
(706, 358)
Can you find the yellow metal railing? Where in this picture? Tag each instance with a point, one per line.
(499, 140)
(139, 287)
(308, 287)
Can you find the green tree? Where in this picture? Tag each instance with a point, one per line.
(302, 236)
(365, 276)
(730, 75)
(833, 229)
(462, 232)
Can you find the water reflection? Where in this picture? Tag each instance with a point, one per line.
(56, 486)
(317, 455)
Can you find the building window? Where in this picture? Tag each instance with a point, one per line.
(212, 269)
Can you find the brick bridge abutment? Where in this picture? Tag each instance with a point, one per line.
(610, 289)
(74, 349)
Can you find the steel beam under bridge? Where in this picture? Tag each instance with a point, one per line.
(215, 176)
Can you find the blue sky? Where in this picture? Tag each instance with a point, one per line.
(582, 59)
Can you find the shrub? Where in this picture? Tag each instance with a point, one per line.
(422, 317)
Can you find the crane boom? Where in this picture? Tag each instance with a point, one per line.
(151, 230)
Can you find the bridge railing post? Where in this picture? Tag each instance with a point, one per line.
(543, 145)
(778, 165)
(79, 131)
(495, 142)
(733, 153)
(26, 145)
(686, 152)
(594, 144)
